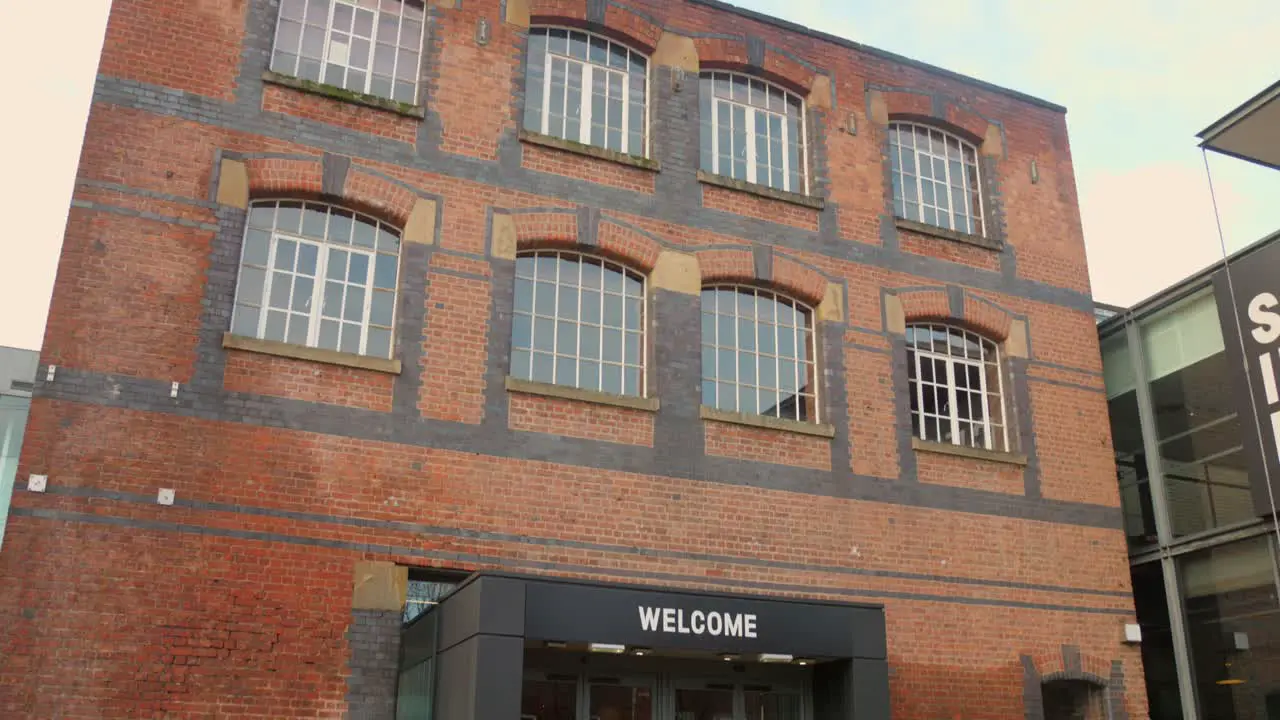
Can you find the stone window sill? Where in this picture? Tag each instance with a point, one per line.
(814, 203)
(301, 352)
(768, 423)
(344, 95)
(945, 234)
(635, 161)
(968, 452)
(532, 387)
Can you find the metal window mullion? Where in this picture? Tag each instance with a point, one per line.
(954, 411)
(328, 39)
(785, 160)
(555, 316)
(626, 111)
(546, 92)
(812, 329)
(977, 176)
(750, 117)
(795, 342)
(395, 45)
(920, 396)
(368, 302)
(644, 339)
(317, 293)
(600, 342)
(1005, 420)
(715, 133)
(1164, 535)
(587, 99)
(985, 403)
(1181, 643)
(265, 307)
(755, 321)
(915, 151)
(946, 172)
(648, 95)
(804, 144)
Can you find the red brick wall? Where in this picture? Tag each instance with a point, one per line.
(573, 418)
(249, 372)
(174, 611)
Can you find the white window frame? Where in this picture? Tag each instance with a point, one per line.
(751, 114)
(580, 258)
(326, 58)
(950, 361)
(324, 250)
(802, 367)
(977, 216)
(589, 69)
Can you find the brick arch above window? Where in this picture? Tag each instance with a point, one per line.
(614, 20)
(330, 179)
(773, 65)
(886, 105)
(940, 304)
(763, 267)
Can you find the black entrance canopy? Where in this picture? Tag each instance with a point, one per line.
(473, 643)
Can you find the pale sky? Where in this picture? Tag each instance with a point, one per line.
(1139, 78)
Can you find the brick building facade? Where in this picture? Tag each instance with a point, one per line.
(346, 396)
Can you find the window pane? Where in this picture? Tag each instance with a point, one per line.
(246, 321)
(379, 343)
(252, 281)
(382, 308)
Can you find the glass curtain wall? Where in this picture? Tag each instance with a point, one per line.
(13, 421)
(1206, 584)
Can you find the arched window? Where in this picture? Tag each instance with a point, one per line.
(320, 276)
(578, 321)
(753, 131)
(957, 388)
(587, 89)
(758, 353)
(935, 178)
(366, 46)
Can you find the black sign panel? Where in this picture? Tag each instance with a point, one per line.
(1251, 333)
(628, 616)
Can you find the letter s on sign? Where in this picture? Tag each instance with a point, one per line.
(1260, 312)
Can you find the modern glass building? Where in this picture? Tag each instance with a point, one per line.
(17, 374)
(1195, 419)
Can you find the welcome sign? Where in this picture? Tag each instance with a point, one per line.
(584, 613)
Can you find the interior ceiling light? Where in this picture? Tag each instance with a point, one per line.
(804, 661)
(774, 658)
(607, 648)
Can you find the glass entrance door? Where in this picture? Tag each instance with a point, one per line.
(736, 701)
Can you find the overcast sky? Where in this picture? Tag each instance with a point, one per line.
(1139, 79)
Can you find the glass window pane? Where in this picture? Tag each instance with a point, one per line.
(543, 367)
(544, 334)
(566, 371)
(379, 343)
(354, 309)
(612, 345)
(589, 342)
(252, 281)
(1232, 614)
(589, 374)
(382, 308)
(246, 321)
(297, 330)
(611, 378)
(384, 273)
(544, 299)
(708, 704)
(275, 326)
(358, 269)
